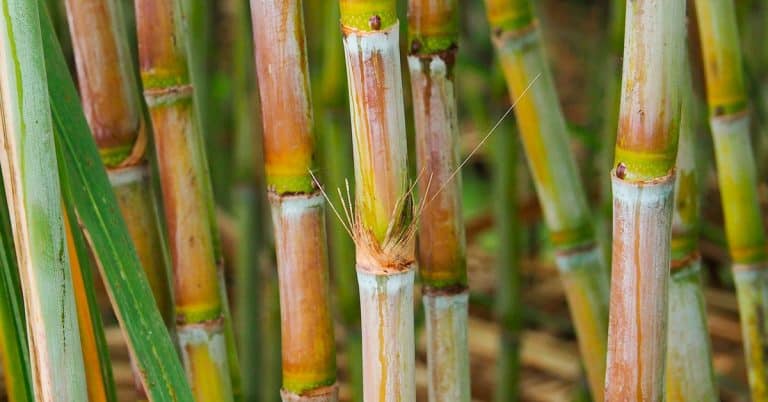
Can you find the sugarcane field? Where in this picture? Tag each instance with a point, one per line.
(383, 200)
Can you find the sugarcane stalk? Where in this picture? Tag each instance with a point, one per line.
(248, 206)
(643, 182)
(690, 375)
(382, 221)
(610, 112)
(271, 364)
(298, 215)
(508, 301)
(198, 27)
(31, 180)
(545, 140)
(187, 199)
(111, 102)
(729, 120)
(433, 37)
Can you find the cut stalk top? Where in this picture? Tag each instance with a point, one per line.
(378, 122)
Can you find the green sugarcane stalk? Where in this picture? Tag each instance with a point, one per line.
(610, 110)
(690, 375)
(508, 306)
(545, 141)
(729, 120)
(31, 179)
(247, 206)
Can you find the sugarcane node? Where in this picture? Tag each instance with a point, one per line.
(375, 22)
(621, 170)
(448, 55)
(207, 325)
(719, 111)
(746, 267)
(415, 46)
(138, 152)
(322, 394)
(450, 290)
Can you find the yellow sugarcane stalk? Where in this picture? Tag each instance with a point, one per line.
(737, 175)
(545, 140)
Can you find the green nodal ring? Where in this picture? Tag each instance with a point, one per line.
(368, 15)
(291, 184)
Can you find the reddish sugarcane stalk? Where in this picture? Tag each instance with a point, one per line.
(187, 199)
(308, 354)
(643, 181)
(433, 33)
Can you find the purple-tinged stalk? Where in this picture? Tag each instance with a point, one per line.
(690, 375)
(545, 139)
(433, 36)
(643, 182)
(737, 176)
(187, 198)
(382, 220)
(298, 214)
